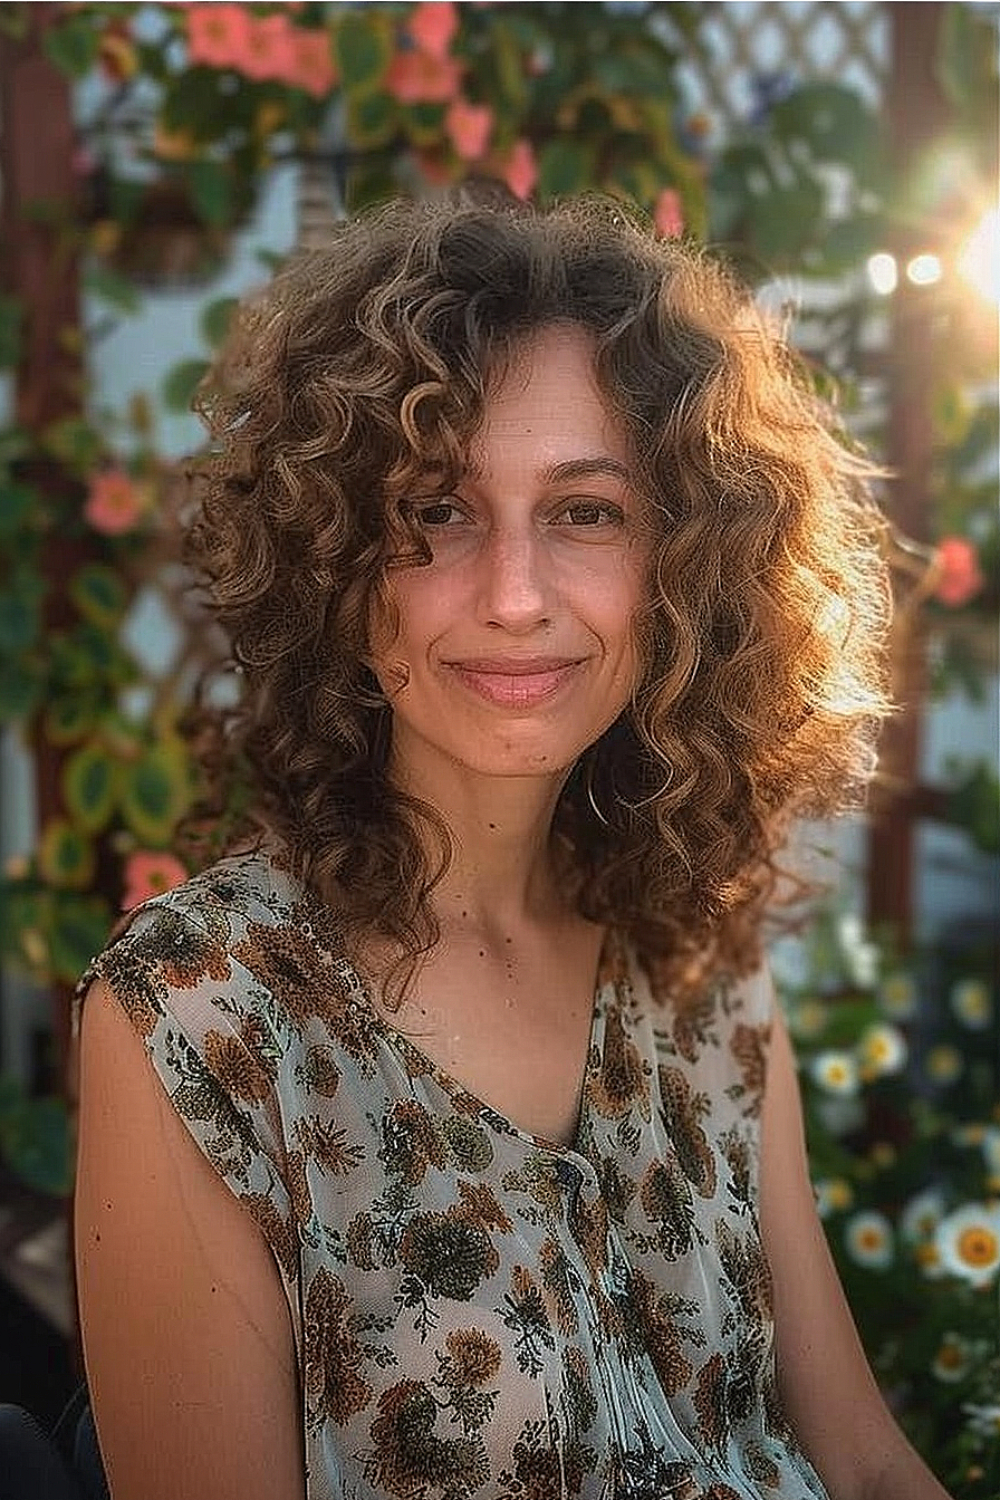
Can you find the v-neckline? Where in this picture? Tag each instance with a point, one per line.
(402, 1046)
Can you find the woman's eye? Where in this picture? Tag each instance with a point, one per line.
(436, 513)
(591, 513)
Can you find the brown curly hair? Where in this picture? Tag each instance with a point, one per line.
(363, 369)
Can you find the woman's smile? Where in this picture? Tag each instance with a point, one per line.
(513, 648)
(517, 683)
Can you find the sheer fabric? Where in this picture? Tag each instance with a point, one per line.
(479, 1312)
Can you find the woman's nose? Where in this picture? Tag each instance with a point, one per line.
(516, 582)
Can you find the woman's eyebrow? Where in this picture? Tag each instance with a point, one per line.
(572, 468)
(586, 468)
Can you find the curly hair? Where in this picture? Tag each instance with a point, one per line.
(364, 368)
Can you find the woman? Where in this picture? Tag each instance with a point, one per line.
(470, 1161)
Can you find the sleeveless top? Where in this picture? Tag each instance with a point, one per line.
(479, 1314)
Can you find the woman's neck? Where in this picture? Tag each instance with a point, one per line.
(502, 871)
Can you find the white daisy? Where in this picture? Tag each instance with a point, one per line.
(897, 996)
(944, 1063)
(972, 1003)
(968, 1242)
(984, 1419)
(868, 1237)
(859, 954)
(807, 1019)
(833, 1195)
(953, 1358)
(921, 1215)
(836, 1071)
(881, 1049)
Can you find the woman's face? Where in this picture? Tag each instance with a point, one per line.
(515, 645)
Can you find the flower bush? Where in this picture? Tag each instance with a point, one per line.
(195, 104)
(900, 1077)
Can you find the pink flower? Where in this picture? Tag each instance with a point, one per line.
(217, 34)
(520, 170)
(433, 168)
(416, 78)
(114, 502)
(668, 214)
(432, 25)
(957, 572)
(469, 127)
(150, 872)
(311, 66)
(269, 50)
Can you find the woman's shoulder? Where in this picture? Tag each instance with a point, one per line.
(253, 885)
(717, 1031)
(243, 935)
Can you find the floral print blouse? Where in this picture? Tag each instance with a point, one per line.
(479, 1314)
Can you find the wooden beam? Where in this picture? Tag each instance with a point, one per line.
(39, 267)
(916, 114)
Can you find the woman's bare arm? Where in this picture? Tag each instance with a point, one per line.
(187, 1341)
(826, 1384)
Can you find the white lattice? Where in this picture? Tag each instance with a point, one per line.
(747, 46)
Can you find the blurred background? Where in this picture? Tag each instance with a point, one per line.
(156, 161)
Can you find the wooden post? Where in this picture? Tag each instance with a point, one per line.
(916, 113)
(39, 267)
(39, 189)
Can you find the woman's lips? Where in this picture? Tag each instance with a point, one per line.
(517, 683)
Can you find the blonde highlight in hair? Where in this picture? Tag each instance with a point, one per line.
(358, 378)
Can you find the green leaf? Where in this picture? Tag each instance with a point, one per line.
(181, 382)
(632, 72)
(79, 929)
(362, 48)
(20, 615)
(99, 593)
(89, 781)
(156, 793)
(372, 118)
(11, 317)
(65, 855)
(565, 166)
(17, 502)
(126, 197)
(117, 291)
(371, 182)
(974, 804)
(965, 65)
(215, 319)
(15, 443)
(787, 220)
(75, 443)
(68, 719)
(424, 123)
(20, 689)
(506, 75)
(96, 656)
(210, 184)
(743, 172)
(35, 1140)
(847, 243)
(72, 42)
(832, 120)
